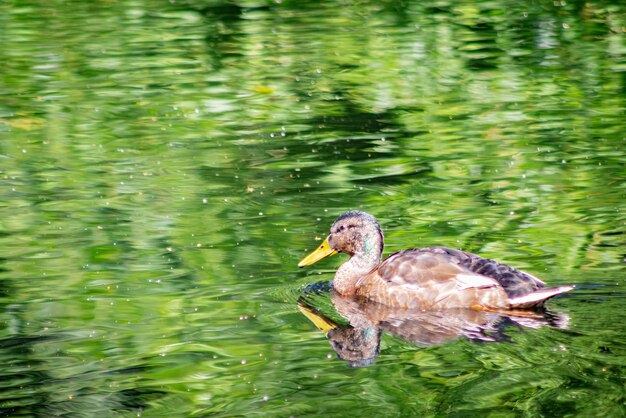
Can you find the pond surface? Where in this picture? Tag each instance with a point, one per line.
(165, 165)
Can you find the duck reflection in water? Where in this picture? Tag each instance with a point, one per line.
(421, 294)
(358, 340)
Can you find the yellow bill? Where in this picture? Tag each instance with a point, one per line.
(322, 251)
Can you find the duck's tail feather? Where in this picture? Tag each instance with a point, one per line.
(537, 298)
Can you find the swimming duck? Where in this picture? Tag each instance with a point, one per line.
(430, 278)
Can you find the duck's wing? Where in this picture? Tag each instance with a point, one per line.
(515, 282)
(421, 267)
(424, 278)
(472, 272)
(439, 277)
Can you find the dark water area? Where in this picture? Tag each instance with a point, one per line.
(164, 165)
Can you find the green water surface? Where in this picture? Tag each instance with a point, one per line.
(165, 164)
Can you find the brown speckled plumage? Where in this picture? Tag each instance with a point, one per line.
(424, 278)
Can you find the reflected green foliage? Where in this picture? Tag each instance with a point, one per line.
(164, 165)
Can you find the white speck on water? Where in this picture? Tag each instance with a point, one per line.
(266, 398)
(260, 213)
(205, 200)
(243, 361)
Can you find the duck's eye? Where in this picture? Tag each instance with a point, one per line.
(341, 228)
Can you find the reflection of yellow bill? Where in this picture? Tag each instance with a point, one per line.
(322, 251)
(319, 321)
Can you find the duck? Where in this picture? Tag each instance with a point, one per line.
(431, 278)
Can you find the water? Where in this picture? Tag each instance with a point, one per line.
(165, 166)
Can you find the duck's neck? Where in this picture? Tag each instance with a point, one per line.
(349, 273)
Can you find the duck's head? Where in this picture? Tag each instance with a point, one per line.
(355, 233)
